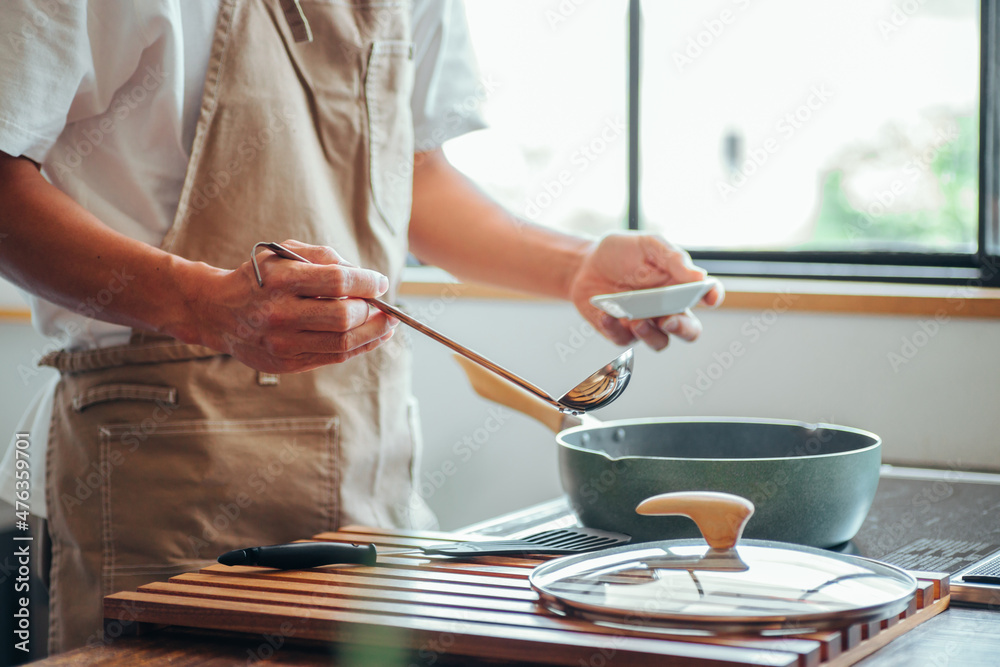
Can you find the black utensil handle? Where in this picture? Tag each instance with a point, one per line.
(300, 555)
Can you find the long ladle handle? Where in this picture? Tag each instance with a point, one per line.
(721, 517)
(464, 351)
(282, 251)
(492, 389)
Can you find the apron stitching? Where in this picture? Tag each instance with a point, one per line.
(314, 112)
(108, 577)
(333, 479)
(297, 21)
(209, 104)
(378, 63)
(55, 641)
(125, 391)
(374, 129)
(296, 424)
(101, 358)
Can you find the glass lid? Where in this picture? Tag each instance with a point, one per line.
(748, 586)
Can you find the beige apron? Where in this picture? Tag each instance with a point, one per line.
(163, 455)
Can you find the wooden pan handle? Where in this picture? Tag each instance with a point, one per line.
(495, 389)
(721, 517)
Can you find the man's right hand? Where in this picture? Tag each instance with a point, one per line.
(57, 250)
(305, 315)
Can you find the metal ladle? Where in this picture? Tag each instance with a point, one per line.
(598, 390)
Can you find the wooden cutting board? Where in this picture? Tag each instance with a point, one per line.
(428, 610)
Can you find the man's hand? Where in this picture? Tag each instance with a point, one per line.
(57, 250)
(457, 227)
(305, 315)
(629, 261)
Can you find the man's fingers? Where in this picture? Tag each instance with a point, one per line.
(686, 326)
(308, 361)
(650, 334)
(325, 315)
(671, 260)
(292, 344)
(715, 296)
(613, 329)
(324, 280)
(327, 274)
(317, 254)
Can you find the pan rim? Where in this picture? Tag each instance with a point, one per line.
(876, 444)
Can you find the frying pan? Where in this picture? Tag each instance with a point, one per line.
(812, 484)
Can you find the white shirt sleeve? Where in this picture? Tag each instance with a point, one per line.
(448, 90)
(48, 60)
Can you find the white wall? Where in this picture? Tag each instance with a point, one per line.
(939, 408)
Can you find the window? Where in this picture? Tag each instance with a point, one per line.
(556, 150)
(849, 139)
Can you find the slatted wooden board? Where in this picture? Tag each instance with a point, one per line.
(431, 610)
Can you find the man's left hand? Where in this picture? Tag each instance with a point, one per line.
(625, 261)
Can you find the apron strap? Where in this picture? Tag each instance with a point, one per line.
(149, 352)
(297, 21)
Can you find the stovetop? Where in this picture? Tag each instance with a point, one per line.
(943, 524)
(921, 520)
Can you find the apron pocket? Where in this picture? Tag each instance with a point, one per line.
(105, 393)
(176, 495)
(388, 85)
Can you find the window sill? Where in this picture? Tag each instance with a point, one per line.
(822, 296)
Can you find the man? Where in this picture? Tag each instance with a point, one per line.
(199, 409)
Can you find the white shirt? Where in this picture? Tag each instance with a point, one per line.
(105, 95)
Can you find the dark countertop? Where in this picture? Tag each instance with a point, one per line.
(931, 520)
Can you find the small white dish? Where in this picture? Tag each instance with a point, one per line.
(656, 302)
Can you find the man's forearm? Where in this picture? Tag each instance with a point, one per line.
(457, 227)
(57, 250)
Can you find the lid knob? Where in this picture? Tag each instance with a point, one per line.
(721, 517)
